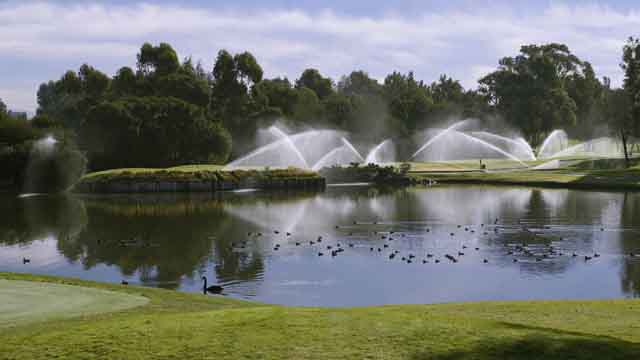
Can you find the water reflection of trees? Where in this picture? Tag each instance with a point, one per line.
(630, 277)
(175, 236)
(29, 219)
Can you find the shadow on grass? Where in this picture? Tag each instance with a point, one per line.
(541, 343)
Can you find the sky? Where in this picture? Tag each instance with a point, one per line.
(40, 40)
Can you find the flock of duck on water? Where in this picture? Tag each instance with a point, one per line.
(334, 249)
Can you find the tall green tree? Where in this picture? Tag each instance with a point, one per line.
(409, 100)
(630, 125)
(320, 85)
(3, 108)
(233, 78)
(530, 91)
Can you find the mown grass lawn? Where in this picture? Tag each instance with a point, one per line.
(177, 325)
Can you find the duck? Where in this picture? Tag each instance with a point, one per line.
(587, 258)
(320, 254)
(392, 255)
(596, 255)
(276, 232)
(485, 261)
(460, 253)
(26, 261)
(288, 234)
(214, 289)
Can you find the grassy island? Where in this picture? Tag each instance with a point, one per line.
(196, 178)
(180, 325)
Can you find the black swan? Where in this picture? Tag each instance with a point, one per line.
(216, 289)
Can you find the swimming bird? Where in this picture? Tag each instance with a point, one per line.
(477, 249)
(350, 245)
(320, 254)
(587, 258)
(214, 289)
(276, 232)
(437, 261)
(451, 258)
(429, 255)
(392, 255)
(297, 244)
(460, 253)
(385, 245)
(288, 234)
(26, 261)
(596, 255)
(485, 261)
(515, 260)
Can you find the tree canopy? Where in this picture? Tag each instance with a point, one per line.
(157, 106)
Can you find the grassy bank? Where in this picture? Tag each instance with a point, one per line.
(583, 174)
(192, 173)
(178, 325)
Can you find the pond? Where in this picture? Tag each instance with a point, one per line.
(504, 243)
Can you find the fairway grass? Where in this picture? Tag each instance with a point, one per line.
(23, 302)
(178, 325)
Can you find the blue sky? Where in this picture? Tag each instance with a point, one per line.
(40, 40)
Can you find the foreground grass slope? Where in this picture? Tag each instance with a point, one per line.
(178, 325)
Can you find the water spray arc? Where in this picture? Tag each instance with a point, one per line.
(316, 149)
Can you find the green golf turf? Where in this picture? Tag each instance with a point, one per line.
(23, 302)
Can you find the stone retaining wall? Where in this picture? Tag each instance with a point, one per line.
(120, 186)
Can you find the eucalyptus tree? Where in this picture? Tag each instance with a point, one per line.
(533, 90)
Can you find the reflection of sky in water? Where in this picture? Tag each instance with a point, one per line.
(208, 235)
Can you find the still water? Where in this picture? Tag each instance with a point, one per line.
(171, 241)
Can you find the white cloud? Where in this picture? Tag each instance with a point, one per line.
(463, 44)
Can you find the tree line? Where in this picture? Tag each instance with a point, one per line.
(168, 112)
